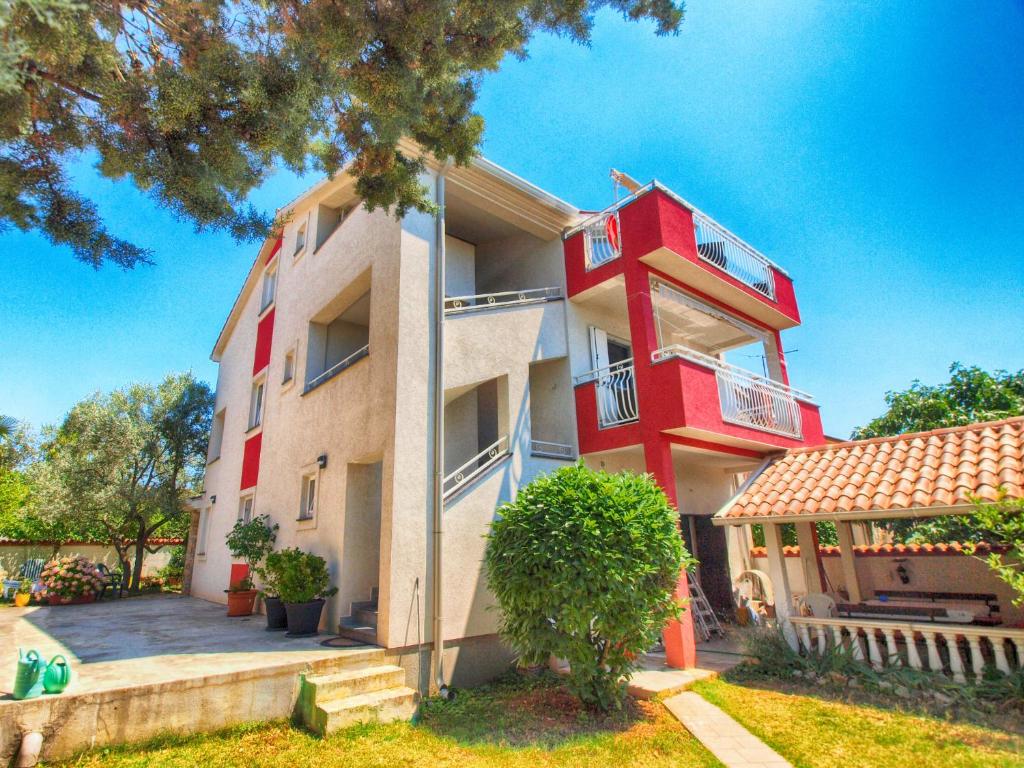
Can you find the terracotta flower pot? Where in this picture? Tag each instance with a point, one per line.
(22, 599)
(241, 603)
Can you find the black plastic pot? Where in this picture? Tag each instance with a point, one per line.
(277, 618)
(304, 618)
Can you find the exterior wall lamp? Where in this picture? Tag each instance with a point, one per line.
(321, 461)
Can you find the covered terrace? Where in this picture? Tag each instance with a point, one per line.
(959, 624)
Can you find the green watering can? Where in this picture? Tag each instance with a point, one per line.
(28, 681)
(57, 675)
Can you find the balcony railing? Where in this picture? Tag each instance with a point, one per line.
(716, 245)
(549, 450)
(601, 240)
(476, 466)
(960, 651)
(457, 305)
(338, 367)
(615, 386)
(745, 398)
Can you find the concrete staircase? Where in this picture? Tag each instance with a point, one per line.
(358, 687)
(361, 625)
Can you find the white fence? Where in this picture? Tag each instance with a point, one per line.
(456, 305)
(338, 367)
(960, 650)
(716, 245)
(615, 387)
(551, 450)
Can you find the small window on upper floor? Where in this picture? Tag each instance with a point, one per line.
(245, 507)
(328, 219)
(256, 403)
(269, 288)
(289, 367)
(307, 501)
(300, 239)
(216, 436)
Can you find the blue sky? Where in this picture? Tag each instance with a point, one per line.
(875, 150)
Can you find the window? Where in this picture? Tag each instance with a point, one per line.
(300, 239)
(328, 219)
(289, 367)
(201, 534)
(256, 405)
(307, 502)
(269, 288)
(216, 436)
(245, 508)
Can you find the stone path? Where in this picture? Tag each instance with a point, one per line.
(726, 739)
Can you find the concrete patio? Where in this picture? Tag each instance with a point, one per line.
(147, 665)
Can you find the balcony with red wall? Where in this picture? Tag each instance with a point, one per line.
(657, 229)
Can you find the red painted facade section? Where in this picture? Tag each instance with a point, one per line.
(264, 339)
(251, 462)
(274, 251)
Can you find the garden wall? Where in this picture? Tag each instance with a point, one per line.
(930, 568)
(14, 553)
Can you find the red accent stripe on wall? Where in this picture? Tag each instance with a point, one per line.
(264, 337)
(274, 250)
(251, 462)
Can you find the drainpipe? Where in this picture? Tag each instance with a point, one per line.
(437, 353)
(28, 752)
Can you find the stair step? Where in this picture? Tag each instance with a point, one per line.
(351, 682)
(366, 617)
(384, 706)
(356, 658)
(355, 630)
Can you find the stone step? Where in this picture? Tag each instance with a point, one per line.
(356, 658)
(383, 706)
(355, 630)
(351, 682)
(366, 617)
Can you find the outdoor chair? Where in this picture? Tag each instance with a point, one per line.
(111, 579)
(31, 570)
(818, 605)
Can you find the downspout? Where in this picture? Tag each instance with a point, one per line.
(437, 662)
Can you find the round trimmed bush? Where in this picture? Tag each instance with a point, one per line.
(584, 566)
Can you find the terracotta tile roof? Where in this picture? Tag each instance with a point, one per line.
(888, 550)
(923, 473)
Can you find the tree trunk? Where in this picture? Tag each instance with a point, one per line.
(140, 556)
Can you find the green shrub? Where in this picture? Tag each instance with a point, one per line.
(584, 566)
(252, 541)
(298, 576)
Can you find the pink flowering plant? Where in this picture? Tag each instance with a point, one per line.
(72, 577)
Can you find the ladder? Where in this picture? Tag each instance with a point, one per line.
(704, 619)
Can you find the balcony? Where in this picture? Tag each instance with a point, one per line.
(657, 228)
(707, 396)
(459, 305)
(464, 475)
(615, 393)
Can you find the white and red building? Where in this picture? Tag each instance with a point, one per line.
(643, 337)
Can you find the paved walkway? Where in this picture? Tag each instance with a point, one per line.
(726, 739)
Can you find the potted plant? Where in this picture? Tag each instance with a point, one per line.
(277, 619)
(71, 580)
(251, 542)
(24, 593)
(303, 584)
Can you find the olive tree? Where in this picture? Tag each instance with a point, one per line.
(584, 566)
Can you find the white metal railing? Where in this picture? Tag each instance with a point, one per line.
(551, 450)
(615, 387)
(338, 367)
(745, 398)
(476, 466)
(455, 305)
(717, 245)
(601, 239)
(959, 650)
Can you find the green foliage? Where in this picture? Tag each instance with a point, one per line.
(827, 534)
(1005, 520)
(299, 577)
(175, 568)
(197, 101)
(127, 462)
(252, 541)
(584, 566)
(971, 395)
(25, 587)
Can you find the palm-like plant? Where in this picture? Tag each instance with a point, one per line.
(7, 426)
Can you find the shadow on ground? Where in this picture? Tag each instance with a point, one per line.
(516, 711)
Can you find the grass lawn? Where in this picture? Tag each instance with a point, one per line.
(520, 722)
(514, 723)
(813, 732)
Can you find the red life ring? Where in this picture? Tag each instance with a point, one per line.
(611, 231)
